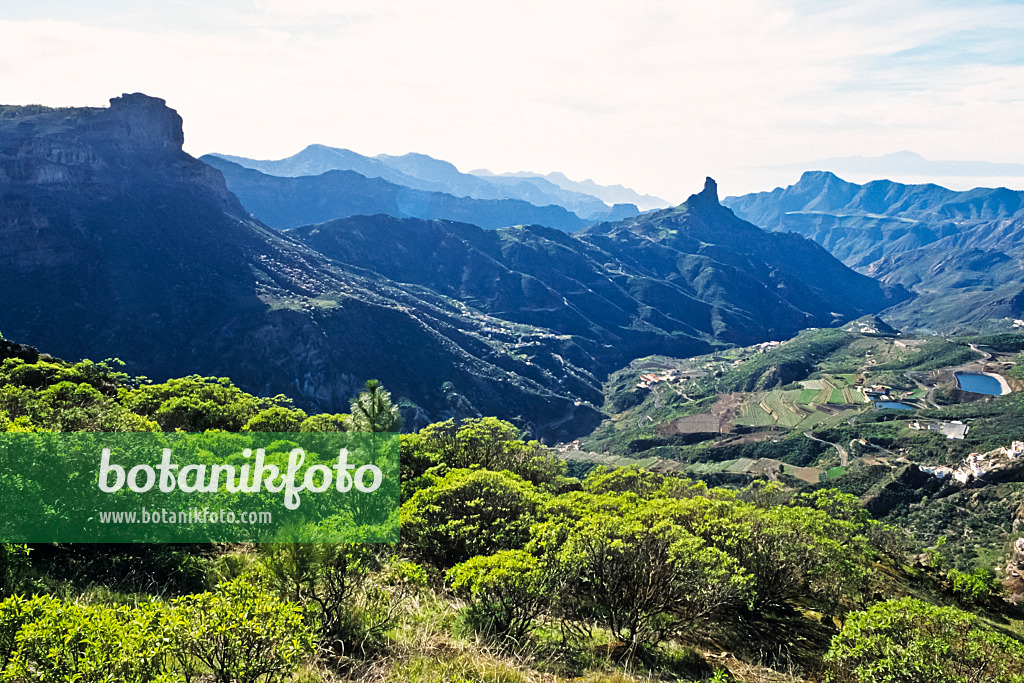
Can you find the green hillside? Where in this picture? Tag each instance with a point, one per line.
(508, 569)
(800, 413)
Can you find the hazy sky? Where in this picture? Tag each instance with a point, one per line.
(649, 93)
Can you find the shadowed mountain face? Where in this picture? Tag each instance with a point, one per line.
(958, 251)
(422, 172)
(668, 282)
(117, 243)
(283, 202)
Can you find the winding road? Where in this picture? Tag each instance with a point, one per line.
(986, 354)
(928, 391)
(844, 456)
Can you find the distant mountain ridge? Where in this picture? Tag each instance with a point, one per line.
(959, 251)
(610, 194)
(288, 202)
(823, 191)
(906, 163)
(422, 172)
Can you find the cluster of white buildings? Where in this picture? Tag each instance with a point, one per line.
(650, 378)
(952, 430)
(978, 464)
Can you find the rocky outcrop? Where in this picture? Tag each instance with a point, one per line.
(23, 352)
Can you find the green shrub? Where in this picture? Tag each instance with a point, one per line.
(59, 642)
(485, 442)
(909, 641)
(13, 566)
(975, 588)
(506, 590)
(468, 513)
(325, 422)
(790, 552)
(196, 404)
(275, 419)
(239, 634)
(638, 573)
(15, 612)
(630, 479)
(349, 590)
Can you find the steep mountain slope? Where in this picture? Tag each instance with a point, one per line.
(959, 251)
(670, 282)
(789, 274)
(422, 172)
(116, 242)
(530, 275)
(284, 202)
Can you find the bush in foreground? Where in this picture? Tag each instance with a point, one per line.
(909, 641)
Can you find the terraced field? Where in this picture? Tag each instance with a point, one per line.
(754, 414)
(755, 468)
(781, 408)
(784, 407)
(807, 396)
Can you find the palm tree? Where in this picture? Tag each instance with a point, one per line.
(373, 411)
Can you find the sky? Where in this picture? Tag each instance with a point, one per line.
(652, 94)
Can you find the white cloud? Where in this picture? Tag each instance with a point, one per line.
(654, 94)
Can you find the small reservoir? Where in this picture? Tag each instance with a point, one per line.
(981, 383)
(892, 405)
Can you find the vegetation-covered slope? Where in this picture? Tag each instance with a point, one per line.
(632, 288)
(508, 571)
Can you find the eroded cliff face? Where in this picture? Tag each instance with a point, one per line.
(58, 165)
(43, 146)
(115, 242)
(106, 222)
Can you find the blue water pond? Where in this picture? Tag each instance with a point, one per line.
(892, 405)
(978, 383)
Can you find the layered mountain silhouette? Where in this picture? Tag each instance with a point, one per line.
(287, 202)
(422, 172)
(117, 243)
(958, 251)
(609, 194)
(666, 282)
(909, 164)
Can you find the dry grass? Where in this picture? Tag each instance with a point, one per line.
(428, 647)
